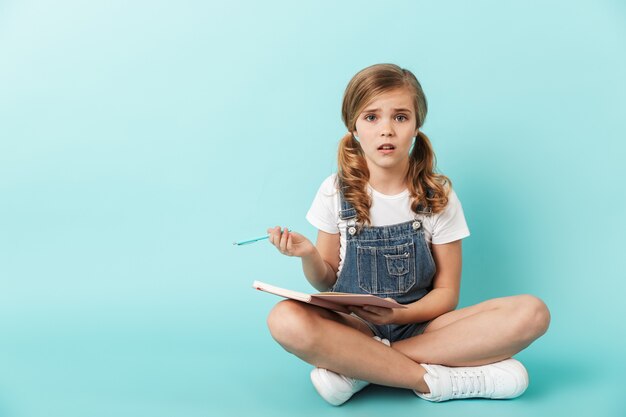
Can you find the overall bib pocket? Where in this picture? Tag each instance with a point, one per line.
(386, 270)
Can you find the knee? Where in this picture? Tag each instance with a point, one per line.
(533, 317)
(292, 325)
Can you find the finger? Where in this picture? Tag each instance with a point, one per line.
(390, 299)
(369, 309)
(283, 240)
(357, 310)
(376, 310)
(275, 236)
(287, 239)
(296, 236)
(352, 309)
(269, 233)
(365, 315)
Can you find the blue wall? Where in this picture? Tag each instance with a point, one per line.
(139, 139)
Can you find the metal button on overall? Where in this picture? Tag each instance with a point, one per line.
(387, 261)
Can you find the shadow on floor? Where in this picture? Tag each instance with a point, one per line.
(546, 378)
(557, 374)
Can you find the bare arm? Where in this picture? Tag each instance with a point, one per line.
(444, 296)
(320, 267)
(319, 263)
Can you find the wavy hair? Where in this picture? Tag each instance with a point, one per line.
(427, 188)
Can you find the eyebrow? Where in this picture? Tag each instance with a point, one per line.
(376, 110)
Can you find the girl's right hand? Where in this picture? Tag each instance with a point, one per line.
(290, 243)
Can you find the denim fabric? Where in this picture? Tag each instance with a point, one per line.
(388, 261)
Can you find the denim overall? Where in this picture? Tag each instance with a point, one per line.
(388, 261)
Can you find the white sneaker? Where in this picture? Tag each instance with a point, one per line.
(500, 380)
(336, 388)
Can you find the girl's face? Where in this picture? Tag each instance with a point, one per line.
(385, 129)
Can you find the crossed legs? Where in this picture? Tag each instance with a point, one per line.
(484, 333)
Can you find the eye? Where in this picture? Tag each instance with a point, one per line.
(402, 118)
(368, 117)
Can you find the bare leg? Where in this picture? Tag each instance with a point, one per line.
(481, 334)
(343, 344)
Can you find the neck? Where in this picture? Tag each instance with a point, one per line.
(389, 181)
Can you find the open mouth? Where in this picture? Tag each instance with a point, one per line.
(386, 147)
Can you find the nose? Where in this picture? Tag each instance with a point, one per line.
(386, 129)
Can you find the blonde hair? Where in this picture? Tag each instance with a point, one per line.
(427, 189)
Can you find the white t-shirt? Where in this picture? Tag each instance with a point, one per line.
(444, 227)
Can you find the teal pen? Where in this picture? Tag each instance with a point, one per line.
(245, 242)
(256, 239)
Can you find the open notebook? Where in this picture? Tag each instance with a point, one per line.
(331, 300)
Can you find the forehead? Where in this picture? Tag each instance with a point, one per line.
(394, 99)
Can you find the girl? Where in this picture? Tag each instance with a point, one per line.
(390, 226)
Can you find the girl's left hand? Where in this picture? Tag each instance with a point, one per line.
(376, 315)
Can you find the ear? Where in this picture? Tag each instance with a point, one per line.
(355, 136)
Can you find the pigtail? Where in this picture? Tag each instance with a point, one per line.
(427, 188)
(422, 177)
(353, 176)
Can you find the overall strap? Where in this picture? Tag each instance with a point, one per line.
(347, 210)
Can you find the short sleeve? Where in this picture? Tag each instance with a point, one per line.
(450, 224)
(324, 213)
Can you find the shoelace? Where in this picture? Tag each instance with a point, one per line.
(465, 383)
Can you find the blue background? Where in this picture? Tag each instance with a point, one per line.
(139, 139)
